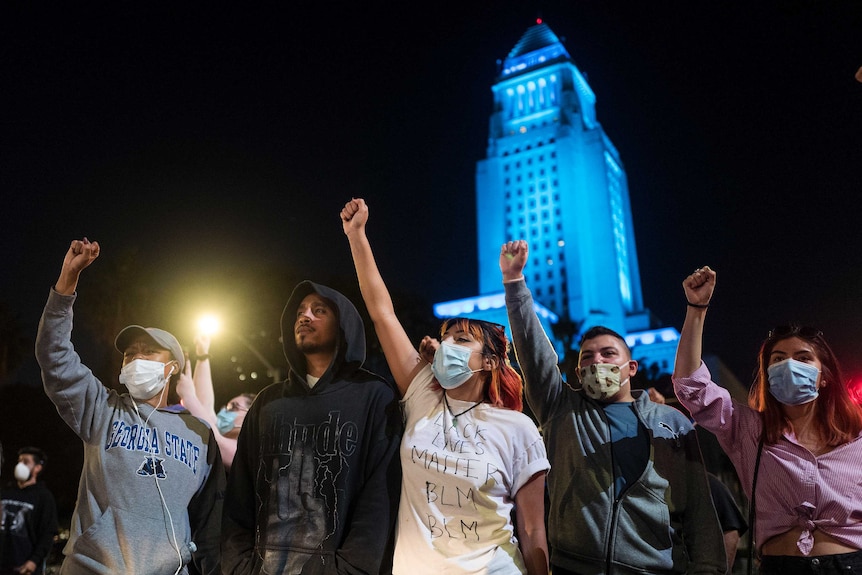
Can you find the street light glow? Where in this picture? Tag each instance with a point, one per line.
(209, 324)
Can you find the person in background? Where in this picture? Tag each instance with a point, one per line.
(628, 486)
(731, 519)
(733, 523)
(152, 484)
(29, 519)
(469, 457)
(198, 396)
(314, 484)
(796, 446)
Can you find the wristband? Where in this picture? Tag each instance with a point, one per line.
(698, 305)
(203, 356)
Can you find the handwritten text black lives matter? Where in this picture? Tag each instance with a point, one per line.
(459, 457)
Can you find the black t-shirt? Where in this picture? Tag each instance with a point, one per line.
(728, 512)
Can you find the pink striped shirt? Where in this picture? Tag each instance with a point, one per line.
(794, 488)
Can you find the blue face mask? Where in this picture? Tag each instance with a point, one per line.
(225, 420)
(451, 365)
(793, 382)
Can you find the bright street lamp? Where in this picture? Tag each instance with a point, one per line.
(210, 325)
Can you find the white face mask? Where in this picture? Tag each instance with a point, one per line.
(22, 472)
(143, 378)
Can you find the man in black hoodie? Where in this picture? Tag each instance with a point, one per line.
(315, 481)
(28, 530)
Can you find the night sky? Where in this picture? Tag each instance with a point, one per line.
(216, 144)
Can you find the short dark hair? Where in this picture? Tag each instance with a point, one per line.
(38, 454)
(600, 330)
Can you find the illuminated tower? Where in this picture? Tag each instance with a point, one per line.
(552, 176)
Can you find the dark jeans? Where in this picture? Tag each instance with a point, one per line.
(841, 564)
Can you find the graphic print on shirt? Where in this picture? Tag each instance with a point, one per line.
(138, 438)
(304, 467)
(455, 458)
(152, 466)
(15, 517)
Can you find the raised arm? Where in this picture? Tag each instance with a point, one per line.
(543, 383)
(203, 377)
(80, 397)
(403, 359)
(187, 390)
(699, 288)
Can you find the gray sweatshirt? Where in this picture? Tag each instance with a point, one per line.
(151, 489)
(663, 523)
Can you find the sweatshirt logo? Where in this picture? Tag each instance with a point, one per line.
(674, 434)
(152, 466)
(151, 443)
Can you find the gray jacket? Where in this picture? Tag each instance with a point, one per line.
(663, 523)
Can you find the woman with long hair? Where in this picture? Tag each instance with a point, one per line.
(469, 457)
(797, 445)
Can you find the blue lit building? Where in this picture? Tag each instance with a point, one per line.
(553, 177)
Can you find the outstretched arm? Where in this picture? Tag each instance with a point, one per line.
(403, 359)
(186, 389)
(543, 383)
(699, 288)
(81, 254)
(203, 373)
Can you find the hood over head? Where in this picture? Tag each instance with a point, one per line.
(350, 348)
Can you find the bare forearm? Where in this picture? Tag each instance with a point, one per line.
(67, 283)
(690, 347)
(204, 384)
(535, 554)
(371, 284)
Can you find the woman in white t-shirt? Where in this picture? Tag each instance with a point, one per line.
(469, 457)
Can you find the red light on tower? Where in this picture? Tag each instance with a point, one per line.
(538, 20)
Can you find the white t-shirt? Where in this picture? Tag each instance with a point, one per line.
(459, 483)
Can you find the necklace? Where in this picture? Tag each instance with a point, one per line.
(455, 416)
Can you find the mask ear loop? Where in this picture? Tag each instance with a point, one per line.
(145, 424)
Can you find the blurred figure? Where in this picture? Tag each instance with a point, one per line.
(314, 484)
(198, 396)
(799, 439)
(471, 460)
(29, 520)
(628, 486)
(152, 483)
